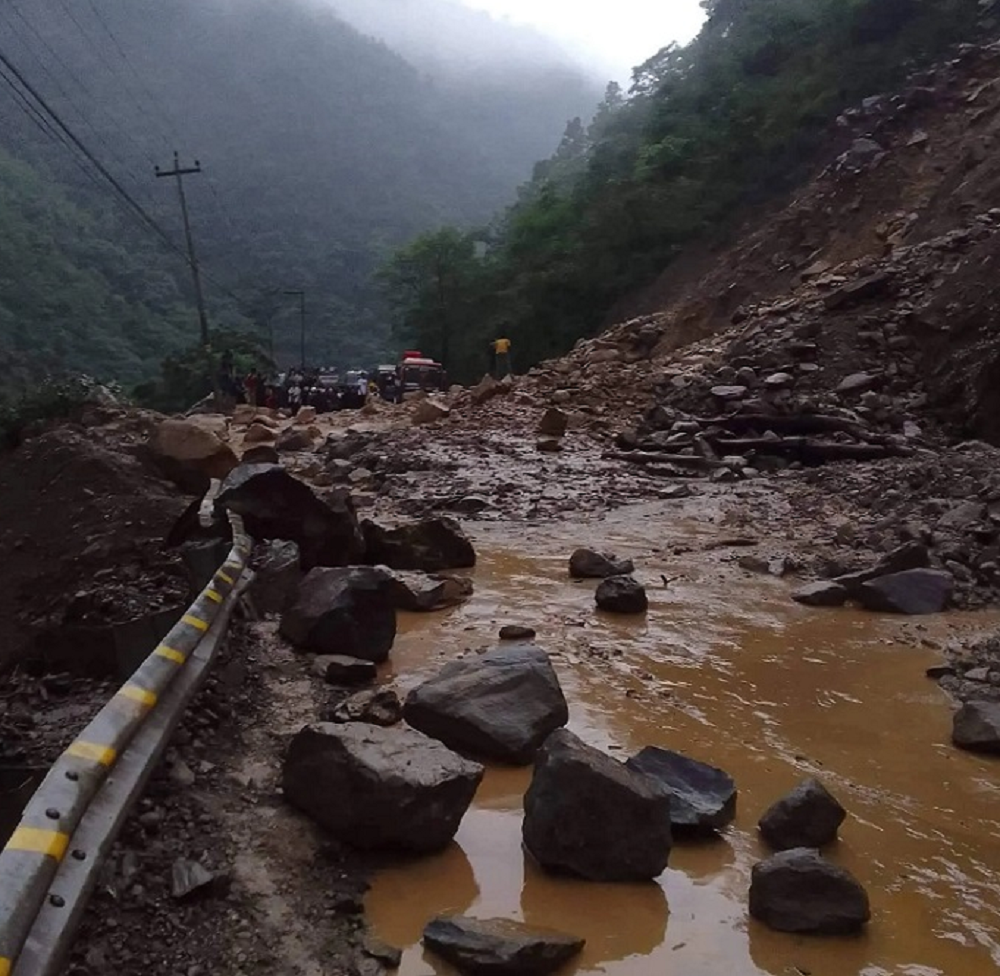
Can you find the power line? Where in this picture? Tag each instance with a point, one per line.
(136, 210)
(62, 90)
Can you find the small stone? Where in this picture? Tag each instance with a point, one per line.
(821, 594)
(514, 632)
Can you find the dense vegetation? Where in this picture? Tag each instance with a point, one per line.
(732, 118)
(322, 150)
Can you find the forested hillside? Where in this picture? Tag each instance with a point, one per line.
(321, 148)
(707, 130)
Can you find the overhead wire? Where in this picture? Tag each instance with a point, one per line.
(134, 208)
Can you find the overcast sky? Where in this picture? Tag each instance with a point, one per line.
(619, 34)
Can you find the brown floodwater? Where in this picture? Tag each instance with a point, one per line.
(728, 670)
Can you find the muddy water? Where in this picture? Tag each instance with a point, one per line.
(726, 669)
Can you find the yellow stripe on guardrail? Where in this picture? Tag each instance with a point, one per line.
(170, 654)
(196, 622)
(137, 694)
(214, 595)
(34, 840)
(225, 577)
(104, 755)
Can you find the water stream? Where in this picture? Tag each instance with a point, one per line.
(728, 670)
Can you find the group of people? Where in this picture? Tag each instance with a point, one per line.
(319, 388)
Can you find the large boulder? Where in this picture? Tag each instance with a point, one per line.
(432, 545)
(430, 411)
(799, 891)
(976, 727)
(808, 816)
(423, 593)
(189, 455)
(499, 946)
(276, 577)
(499, 705)
(702, 798)
(585, 813)
(294, 439)
(588, 564)
(913, 592)
(622, 594)
(379, 788)
(825, 593)
(261, 454)
(910, 555)
(343, 612)
(274, 505)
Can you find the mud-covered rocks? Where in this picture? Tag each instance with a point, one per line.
(914, 592)
(499, 946)
(622, 594)
(344, 612)
(339, 669)
(517, 632)
(702, 797)
(976, 727)
(378, 788)
(294, 439)
(589, 564)
(376, 706)
(277, 576)
(430, 411)
(588, 814)
(432, 545)
(274, 505)
(189, 455)
(499, 705)
(259, 433)
(260, 454)
(799, 891)
(808, 816)
(825, 593)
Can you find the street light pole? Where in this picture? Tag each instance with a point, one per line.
(302, 320)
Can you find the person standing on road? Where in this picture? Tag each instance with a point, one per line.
(252, 386)
(501, 350)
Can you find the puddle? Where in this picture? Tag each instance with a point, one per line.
(726, 669)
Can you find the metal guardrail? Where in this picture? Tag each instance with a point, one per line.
(100, 764)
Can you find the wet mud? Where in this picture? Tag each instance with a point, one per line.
(728, 670)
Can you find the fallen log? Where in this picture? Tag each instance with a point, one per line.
(810, 451)
(799, 423)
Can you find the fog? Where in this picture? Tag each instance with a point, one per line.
(603, 41)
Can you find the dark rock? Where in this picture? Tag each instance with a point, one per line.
(422, 593)
(622, 594)
(857, 383)
(702, 798)
(977, 727)
(514, 632)
(588, 564)
(276, 577)
(914, 592)
(342, 611)
(912, 555)
(377, 706)
(500, 705)
(386, 954)
(588, 814)
(294, 439)
(939, 671)
(261, 454)
(549, 445)
(554, 423)
(808, 816)
(499, 946)
(862, 290)
(432, 545)
(379, 788)
(274, 505)
(825, 593)
(799, 891)
(338, 669)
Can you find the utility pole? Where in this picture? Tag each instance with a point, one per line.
(302, 321)
(192, 257)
